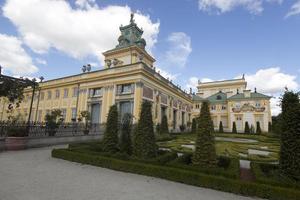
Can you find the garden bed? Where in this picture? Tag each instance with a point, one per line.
(169, 166)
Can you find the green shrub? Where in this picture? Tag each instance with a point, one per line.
(205, 152)
(110, 139)
(234, 127)
(223, 162)
(17, 131)
(164, 128)
(221, 130)
(182, 176)
(144, 139)
(247, 128)
(194, 125)
(125, 140)
(166, 157)
(258, 129)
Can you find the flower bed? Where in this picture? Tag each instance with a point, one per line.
(164, 167)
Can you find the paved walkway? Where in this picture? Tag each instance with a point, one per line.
(34, 175)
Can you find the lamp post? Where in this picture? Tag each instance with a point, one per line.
(31, 103)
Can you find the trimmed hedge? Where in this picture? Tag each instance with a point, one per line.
(181, 175)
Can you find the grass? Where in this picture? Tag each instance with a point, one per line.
(231, 149)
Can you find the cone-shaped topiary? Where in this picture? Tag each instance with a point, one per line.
(194, 125)
(221, 130)
(205, 152)
(164, 128)
(258, 129)
(270, 127)
(110, 139)
(247, 128)
(234, 127)
(144, 139)
(289, 161)
(125, 140)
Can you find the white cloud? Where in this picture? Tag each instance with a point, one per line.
(271, 80)
(223, 6)
(179, 49)
(192, 83)
(86, 30)
(166, 74)
(13, 56)
(41, 61)
(294, 10)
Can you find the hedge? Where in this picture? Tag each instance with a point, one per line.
(181, 175)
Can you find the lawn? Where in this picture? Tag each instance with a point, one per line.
(261, 148)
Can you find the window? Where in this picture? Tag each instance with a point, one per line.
(66, 93)
(224, 107)
(75, 91)
(238, 105)
(125, 89)
(257, 104)
(57, 93)
(97, 92)
(219, 97)
(125, 107)
(74, 113)
(213, 107)
(42, 95)
(40, 114)
(49, 95)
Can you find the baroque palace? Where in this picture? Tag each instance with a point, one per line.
(128, 78)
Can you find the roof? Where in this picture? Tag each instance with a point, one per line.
(253, 95)
(197, 98)
(219, 97)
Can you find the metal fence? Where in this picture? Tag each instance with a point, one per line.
(36, 129)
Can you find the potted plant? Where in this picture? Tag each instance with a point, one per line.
(87, 118)
(53, 120)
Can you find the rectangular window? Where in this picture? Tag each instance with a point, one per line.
(74, 113)
(40, 114)
(126, 88)
(213, 107)
(257, 104)
(57, 93)
(224, 107)
(49, 95)
(66, 93)
(125, 107)
(75, 91)
(97, 92)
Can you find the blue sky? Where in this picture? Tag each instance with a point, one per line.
(190, 39)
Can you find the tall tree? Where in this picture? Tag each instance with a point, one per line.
(164, 127)
(247, 128)
(194, 125)
(144, 140)
(110, 139)
(258, 129)
(221, 130)
(290, 136)
(234, 127)
(125, 140)
(205, 152)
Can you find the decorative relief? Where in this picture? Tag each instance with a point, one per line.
(248, 108)
(147, 92)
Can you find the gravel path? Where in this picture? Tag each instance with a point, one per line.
(34, 175)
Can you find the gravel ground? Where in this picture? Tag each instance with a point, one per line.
(34, 175)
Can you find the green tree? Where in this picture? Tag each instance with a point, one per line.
(290, 137)
(164, 127)
(247, 128)
(270, 127)
(205, 152)
(234, 127)
(194, 125)
(144, 140)
(258, 129)
(53, 120)
(221, 130)
(125, 140)
(110, 139)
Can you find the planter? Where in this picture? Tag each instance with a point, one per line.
(15, 143)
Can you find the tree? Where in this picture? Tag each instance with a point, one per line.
(247, 128)
(125, 140)
(110, 139)
(221, 130)
(205, 152)
(164, 127)
(144, 140)
(270, 127)
(290, 137)
(87, 118)
(258, 129)
(234, 127)
(52, 121)
(194, 125)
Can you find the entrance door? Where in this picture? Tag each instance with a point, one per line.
(239, 123)
(95, 113)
